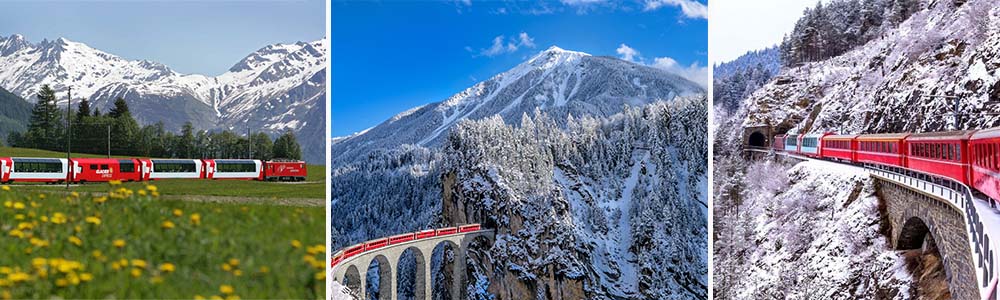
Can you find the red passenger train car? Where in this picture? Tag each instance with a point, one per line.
(940, 153)
(840, 147)
(285, 170)
(397, 239)
(984, 162)
(106, 169)
(26, 169)
(882, 149)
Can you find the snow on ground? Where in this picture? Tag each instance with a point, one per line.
(812, 235)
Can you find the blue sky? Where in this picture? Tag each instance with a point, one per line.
(203, 37)
(389, 57)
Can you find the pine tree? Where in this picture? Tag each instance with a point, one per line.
(124, 128)
(45, 126)
(287, 147)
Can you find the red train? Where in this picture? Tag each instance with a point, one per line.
(81, 170)
(971, 157)
(396, 239)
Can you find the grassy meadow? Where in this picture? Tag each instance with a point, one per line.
(127, 242)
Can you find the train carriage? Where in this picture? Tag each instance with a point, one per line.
(882, 149)
(232, 169)
(840, 147)
(175, 168)
(940, 153)
(809, 144)
(105, 169)
(285, 170)
(984, 161)
(792, 143)
(779, 143)
(36, 169)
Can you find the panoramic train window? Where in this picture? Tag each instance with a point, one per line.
(174, 167)
(223, 167)
(37, 167)
(93, 167)
(126, 166)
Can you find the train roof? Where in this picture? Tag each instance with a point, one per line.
(882, 136)
(941, 135)
(37, 159)
(92, 160)
(841, 137)
(989, 133)
(235, 161)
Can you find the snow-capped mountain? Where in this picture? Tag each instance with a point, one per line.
(557, 81)
(273, 89)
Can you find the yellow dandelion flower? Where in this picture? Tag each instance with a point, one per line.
(296, 244)
(18, 277)
(178, 212)
(234, 262)
(226, 289)
(74, 194)
(195, 219)
(142, 192)
(167, 225)
(151, 188)
(138, 263)
(85, 277)
(115, 182)
(62, 282)
(5, 188)
(6, 270)
(265, 269)
(167, 267)
(238, 273)
(8, 203)
(232, 297)
(100, 199)
(58, 218)
(154, 193)
(39, 262)
(18, 205)
(73, 279)
(136, 272)
(35, 204)
(216, 297)
(76, 241)
(199, 297)
(320, 275)
(5, 294)
(25, 226)
(116, 266)
(77, 228)
(227, 267)
(19, 217)
(93, 220)
(119, 243)
(40, 243)
(156, 280)
(97, 254)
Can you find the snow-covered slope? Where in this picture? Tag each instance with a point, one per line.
(883, 86)
(275, 89)
(557, 81)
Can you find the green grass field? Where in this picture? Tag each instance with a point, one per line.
(313, 188)
(128, 243)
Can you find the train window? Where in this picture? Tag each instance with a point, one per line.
(93, 167)
(174, 167)
(37, 167)
(126, 166)
(892, 148)
(226, 167)
(104, 167)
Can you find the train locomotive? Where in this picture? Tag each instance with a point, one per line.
(83, 170)
(971, 157)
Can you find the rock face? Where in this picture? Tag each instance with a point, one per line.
(281, 87)
(894, 83)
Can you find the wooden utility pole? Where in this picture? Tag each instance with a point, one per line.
(69, 134)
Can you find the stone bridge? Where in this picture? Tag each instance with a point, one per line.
(924, 220)
(354, 269)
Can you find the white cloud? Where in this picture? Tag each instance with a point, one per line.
(628, 53)
(694, 72)
(691, 8)
(580, 2)
(503, 45)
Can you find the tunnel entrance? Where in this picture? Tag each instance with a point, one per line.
(757, 139)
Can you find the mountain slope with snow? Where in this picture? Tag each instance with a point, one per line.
(894, 83)
(275, 89)
(557, 81)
